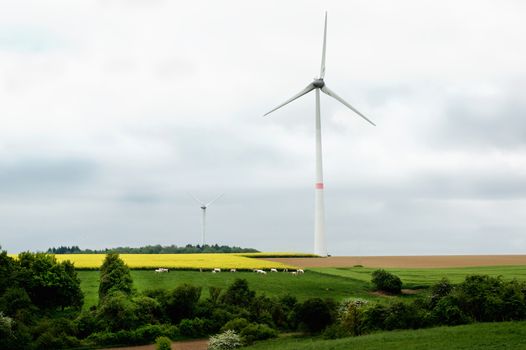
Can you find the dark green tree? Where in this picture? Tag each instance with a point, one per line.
(114, 276)
(48, 283)
(314, 314)
(239, 294)
(182, 302)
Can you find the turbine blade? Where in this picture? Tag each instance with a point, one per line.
(331, 93)
(309, 88)
(322, 70)
(213, 200)
(197, 200)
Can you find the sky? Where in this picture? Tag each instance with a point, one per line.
(111, 112)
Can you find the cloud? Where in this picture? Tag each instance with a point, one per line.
(112, 111)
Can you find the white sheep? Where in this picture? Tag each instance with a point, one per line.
(217, 270)
(300, 271)
(294, 273)
(273, 270)
(261, 272)
(232, 270)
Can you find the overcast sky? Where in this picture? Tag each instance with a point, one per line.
(111, 111)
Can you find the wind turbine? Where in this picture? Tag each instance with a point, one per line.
(320, 247)
(204, 206)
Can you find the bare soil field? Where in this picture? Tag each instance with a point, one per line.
(430, 261)
(200, 344)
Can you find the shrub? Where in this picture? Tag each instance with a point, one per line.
(439, 290)
(237, 324)
(255, 331)
(192, 328)
(117, 312)
(314, 314)
(350, 314)
(448, 312)
(225, 341)
(386, 281)
(163, 343)
(149, 333)
(182, 302)
(238, 293)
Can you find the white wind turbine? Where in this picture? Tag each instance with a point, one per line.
(318, 84)
(204, 206)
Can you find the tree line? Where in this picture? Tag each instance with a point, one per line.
(154, 249)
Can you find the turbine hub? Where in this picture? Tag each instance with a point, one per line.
(203, 207)
(318, 83)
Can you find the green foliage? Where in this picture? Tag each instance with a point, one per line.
(237, 324)
(48, 283)
(314, 314)
(254, 331)
(238, 293)
(118, 312)
(386, 281)
(182, 302)
(163, 343)
(192, 328)
(114, 276)
(227, 340)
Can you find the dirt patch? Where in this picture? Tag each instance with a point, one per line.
(200, 344)
(433, 261)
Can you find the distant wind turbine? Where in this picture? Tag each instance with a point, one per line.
(320, 246)
(204, 206)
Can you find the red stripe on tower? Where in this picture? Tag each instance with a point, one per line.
(319, 186)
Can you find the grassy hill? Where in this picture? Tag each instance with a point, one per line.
(480, 336)
(337, 283)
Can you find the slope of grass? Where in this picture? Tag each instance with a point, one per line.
(308, 285)
(485, 336)
(414, 278)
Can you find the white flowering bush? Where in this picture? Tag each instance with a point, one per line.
(225, 341)
(350, 314)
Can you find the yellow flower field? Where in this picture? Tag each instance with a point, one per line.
(175, 261)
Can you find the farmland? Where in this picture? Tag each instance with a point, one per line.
(175, 261)
(337, 283)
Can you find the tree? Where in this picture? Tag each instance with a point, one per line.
(48, 283)
(114, 276)
(182, 302)
(314, 314)
(239, 294)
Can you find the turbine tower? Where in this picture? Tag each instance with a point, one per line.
(320, 246)
(204, 206)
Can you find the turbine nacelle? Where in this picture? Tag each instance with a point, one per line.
(203, 207)
(318, 83)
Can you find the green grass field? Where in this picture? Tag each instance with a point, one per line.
(308, 285)
(416, 278)
(337, 283)
(485, 336)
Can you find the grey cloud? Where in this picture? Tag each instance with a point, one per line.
(37, 174)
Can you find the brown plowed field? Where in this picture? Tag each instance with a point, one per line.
(430, 261)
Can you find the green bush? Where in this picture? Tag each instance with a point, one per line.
(386, 281)
(314, 314)
(255, 331)
(237, 324)
(163, 343)
(225, 341)
(192, 328)
(182, 302)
